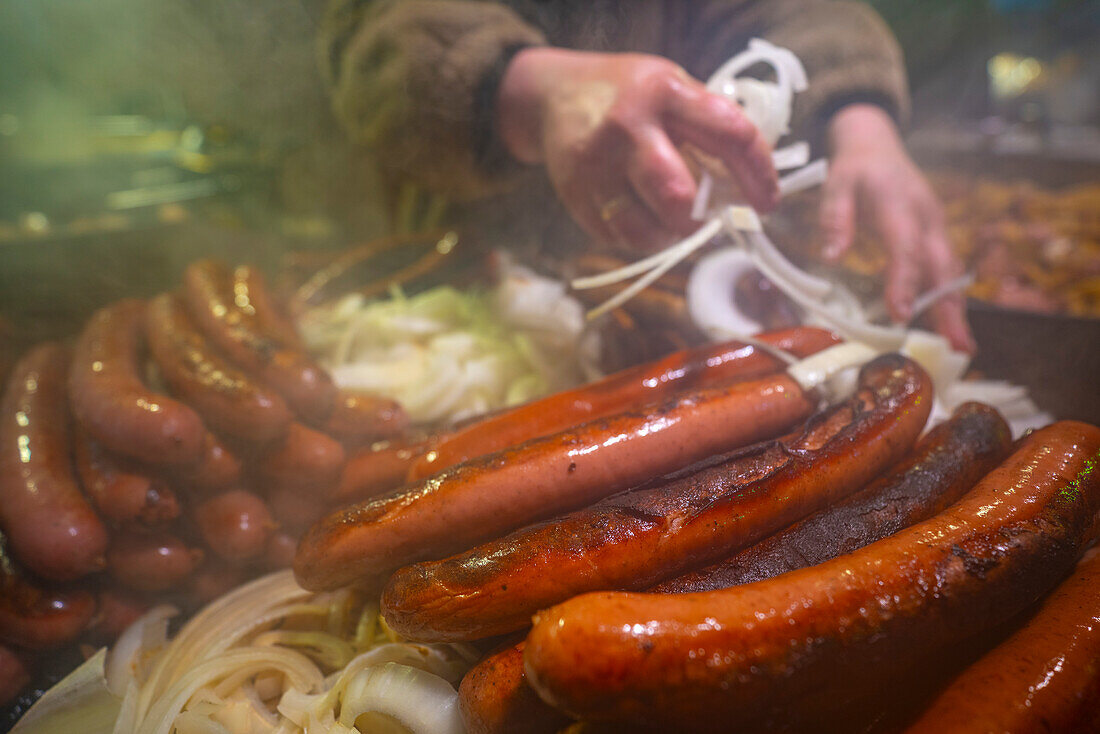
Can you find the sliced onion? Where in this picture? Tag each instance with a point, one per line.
(423, 702)
(149, 631)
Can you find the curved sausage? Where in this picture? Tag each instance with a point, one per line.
(645, 535)
(280, 551)
(792, 646)
(1043, 678)
(495, 699)
(235, 524)
(252, 296)
(378, 468)
(150, 561)
(215, 578)
(358, 418)
(945, 464)
(122, 492)
(295, 509)
(705, 366)
(486, 497)
(229, 401)
(52, 530)
(208, 294)
(113, 404)
(304, 459)
(118, 609)
(35, 617)
(15, 675)
(218, 469)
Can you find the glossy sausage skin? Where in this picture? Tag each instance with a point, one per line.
(792, 646)
(377, 468)
(646, 535)
(945, 464)
(304, 459)
(35, 617)
(121, 491)
(495, 699)
(118, 609)
(235, 524)
(1044, 678)
(229, 401)
(209, 296)
(706, 366)
(50, 526)
(145, 561)
(218, 469)
(489, 496)
(358, 418)
(111, 401)
(252, 296)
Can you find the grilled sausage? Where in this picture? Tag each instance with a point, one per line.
(304, 459)
(229, 401)
(377, 468)
(145, 561)
(252, 296)
(208, 294)
(495, 699)
(35, 617)
(279, 553)
(792, 646)
(491, 495)
(945, 464)
(1044, 678)
(114, 405)
(51, 528)
(358, 419)
(640, 537)
(706, 366)
(218, 469)
(121, 491)
(235, 524)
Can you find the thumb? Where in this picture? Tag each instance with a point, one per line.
(837, 217)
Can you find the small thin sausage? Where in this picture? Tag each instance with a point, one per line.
(280, 551)
(495, 699)
(1044, 678)
(122, 491)
(303, 459)
(145, 561)
(783, 650)
(118, 609)
(215, 578)
(296, 508)
(489, 496)
(377, 468)
(218, 469)
(358, 419)
(15, 674)
(640, 537)
(230, 401)
(51, 528)
(111, 401)
(252, 295)
(705, 366)
(235, 524)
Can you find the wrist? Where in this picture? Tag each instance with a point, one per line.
(861, 125)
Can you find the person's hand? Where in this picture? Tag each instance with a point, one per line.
(872, 178)
(607, 126)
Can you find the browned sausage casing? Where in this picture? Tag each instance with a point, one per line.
(52, 529)
(775, 649)
(112, 402)
(375, 469)
(304, 459)
(229, 401)
(235, 524)
(218, 469)
(944, 465)
(495, 699)
(1044, 678)
(145, 561)
(643, 536)
(121, 491)
(359, 418)
(489, 496)
(253, 297)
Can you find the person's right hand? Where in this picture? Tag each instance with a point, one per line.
(607, 126)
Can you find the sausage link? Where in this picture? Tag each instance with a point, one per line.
(495, 699)
(122, 492)
(208, 294)
(51, 528)
(111, 401)
(229, 401)
(253, 297)
(235, 524)
(150, 561)
(304, 459)
(489, 496)
(218, 469)
(295, 509)
(358, 418)
(706, 366)
(279, 553)
(941, 469)
(787, 648)
(118, 609)
(15, 674)
(640, 537)
(214, 579)
(1043, 678)
(35, 617)
(375, 469)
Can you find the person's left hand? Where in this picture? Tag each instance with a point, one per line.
(872, 178)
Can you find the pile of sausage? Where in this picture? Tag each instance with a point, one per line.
(178, 447)
(697, 545)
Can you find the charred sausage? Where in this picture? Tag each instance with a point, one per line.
(52, 529)
(783, 648)
(640, 537)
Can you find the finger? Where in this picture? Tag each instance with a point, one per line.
(949, 313)
(898, 226)
(720, 128)
(634, 226)
(662, 181)
(837, 216)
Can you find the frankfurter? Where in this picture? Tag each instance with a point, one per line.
(121, 491)
(218, 469)
(945, 464)
(643, 536)
(304, 459)
(494, 697)
(38, 618)
(1043, 678)
(150, 561)
(359, 418)
(253, 297)
(705, 366)
(229, 401)
(789, 647)
(377, 468)
(114, 405)
(491, 495)
(235, 524)
(209, 296)
(50, 526)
